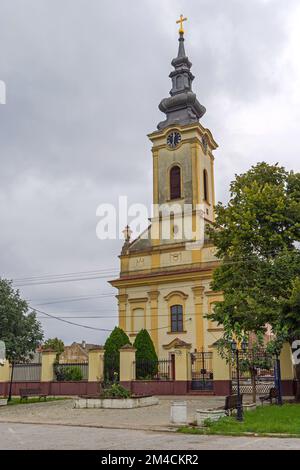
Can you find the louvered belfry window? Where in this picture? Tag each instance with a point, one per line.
(175, 183)
(205, 186)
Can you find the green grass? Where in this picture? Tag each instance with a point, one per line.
(271, 419)
(17, 401)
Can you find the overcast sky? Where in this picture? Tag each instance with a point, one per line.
(84, 79)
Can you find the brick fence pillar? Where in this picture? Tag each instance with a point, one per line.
(96, 364)
(221, 374)
(287, 370)
(48, 360)
(127, 362)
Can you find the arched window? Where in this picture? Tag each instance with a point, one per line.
(175, 183)
(205, 186)
(176, 318)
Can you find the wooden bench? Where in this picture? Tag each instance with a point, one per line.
(272, 395)
(231, 403)
(32, 392)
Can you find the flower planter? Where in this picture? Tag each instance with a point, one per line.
(3, 401)
(250, 407)
(213, 415)
(115, 403)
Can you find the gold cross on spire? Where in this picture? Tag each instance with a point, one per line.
(180, 21)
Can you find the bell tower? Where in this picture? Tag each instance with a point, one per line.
(183, 161)
(164, 281)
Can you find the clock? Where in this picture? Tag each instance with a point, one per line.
(173, 139)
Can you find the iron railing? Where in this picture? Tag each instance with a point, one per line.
(258, 365)
(62, 371)
(112, 368)
(202, 370)
(161, 369)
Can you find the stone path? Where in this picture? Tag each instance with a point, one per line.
(155, 417)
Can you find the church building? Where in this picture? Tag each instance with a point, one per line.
(164, 282)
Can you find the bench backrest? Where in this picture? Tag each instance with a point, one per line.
(231, 401)
(30, 391)
(273, 392)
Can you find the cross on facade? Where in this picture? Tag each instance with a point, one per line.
(180, 21)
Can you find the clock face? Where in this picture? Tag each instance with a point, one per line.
(173, 139)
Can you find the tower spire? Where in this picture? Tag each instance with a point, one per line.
(182, 107)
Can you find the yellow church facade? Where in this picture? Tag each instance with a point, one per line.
(165, 274)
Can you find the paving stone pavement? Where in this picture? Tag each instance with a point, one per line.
(62, 412)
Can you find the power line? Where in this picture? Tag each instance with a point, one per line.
(94, 328)
(75, 273)
(70, 322)
(63, 280)
(106, 274)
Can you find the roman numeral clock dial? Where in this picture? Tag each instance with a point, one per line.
(173, 139)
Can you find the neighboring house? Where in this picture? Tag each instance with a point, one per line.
(77, 352)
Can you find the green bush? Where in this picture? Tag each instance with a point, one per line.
(146, 357)
(114, 342)
(69, 373)
(116, 391)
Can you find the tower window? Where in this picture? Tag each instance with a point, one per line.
(176, 318)
(205, 186)
(175, 183)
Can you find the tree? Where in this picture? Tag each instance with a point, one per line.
(146, 357)
(19, 328)
(55, 344)
(114, 342)
(255, 235)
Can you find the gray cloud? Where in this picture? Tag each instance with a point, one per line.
(83, 83)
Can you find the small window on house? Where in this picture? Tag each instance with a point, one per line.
(175, 183)
(205, 186)
(176, 318)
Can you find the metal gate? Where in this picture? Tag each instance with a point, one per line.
(253, 365)
(202, 372)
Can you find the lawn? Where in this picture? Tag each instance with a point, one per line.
(271, 419)
(17, 401)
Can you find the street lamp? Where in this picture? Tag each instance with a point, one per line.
(236, 351)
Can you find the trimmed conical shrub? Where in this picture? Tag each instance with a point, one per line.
(114, 342)
(146, 357)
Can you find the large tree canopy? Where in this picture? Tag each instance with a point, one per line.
(255, 235)
(56, 344)
(19, 328)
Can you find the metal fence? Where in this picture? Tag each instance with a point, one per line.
(30, 372)
(112, 368)
(202, 370)
(67, 371)
(254, 365)
(161, 369)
